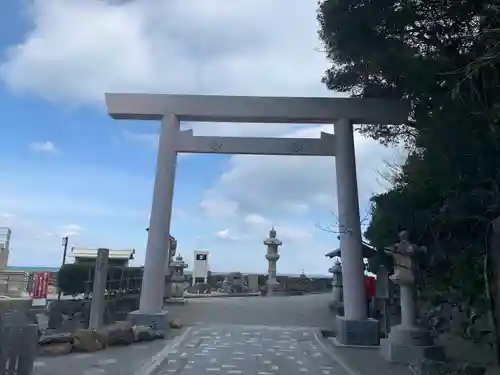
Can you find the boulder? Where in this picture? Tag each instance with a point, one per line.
(176, 323)
(119, 333)
(86, 340)
(56, 349)
(144, 333)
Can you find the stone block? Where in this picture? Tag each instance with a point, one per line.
(143, 333)
(158, 321)
(176, 324)
(175, 301)
(56, 338)
(357, 332)
(408, 354)
(55, 349)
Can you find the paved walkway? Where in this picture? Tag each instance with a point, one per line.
(305, 311)
(245, 350)
(124, 360)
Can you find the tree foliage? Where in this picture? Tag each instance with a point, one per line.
(443, 56)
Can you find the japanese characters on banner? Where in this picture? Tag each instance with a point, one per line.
(41, 285)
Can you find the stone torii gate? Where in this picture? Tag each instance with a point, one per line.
(354, 328)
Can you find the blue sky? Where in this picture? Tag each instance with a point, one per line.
(69, 169)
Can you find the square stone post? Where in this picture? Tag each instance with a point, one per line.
(99, 289)
(354, 328)
(150, 311)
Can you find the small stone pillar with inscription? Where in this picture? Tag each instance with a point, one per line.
(407, 343)
(337, 303)
(178, 281)
(272, 257)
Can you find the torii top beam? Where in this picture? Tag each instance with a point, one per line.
(214, 108)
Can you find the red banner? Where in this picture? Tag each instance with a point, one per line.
(41, 285)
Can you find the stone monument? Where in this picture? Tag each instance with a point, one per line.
(337, 303)
(178, 280)
(408, 343)
(272, 257)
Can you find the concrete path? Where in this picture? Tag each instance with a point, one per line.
(302, 311)
(236, 316)
(246, 350)
(112, 361)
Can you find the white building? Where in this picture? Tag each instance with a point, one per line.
(200, 267)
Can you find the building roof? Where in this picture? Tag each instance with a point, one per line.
(82, 252)
(368, 252)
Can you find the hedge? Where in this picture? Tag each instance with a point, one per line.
(79, 278)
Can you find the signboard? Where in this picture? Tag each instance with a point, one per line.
(41, 285)
(201, 256)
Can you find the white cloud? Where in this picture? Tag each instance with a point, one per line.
(223, 233)
(176, 46)
(218, 206)
(227, 234)
(255, 219)
(72, 230)
(293, 234)
(47, 147)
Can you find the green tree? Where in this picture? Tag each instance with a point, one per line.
(443, 57)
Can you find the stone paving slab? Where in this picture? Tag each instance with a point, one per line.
(120, 360)
(246, 350)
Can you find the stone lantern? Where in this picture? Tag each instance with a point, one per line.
(272, 257)
(337, 290)
(408, 343)
(178, 280)
(171, 251)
